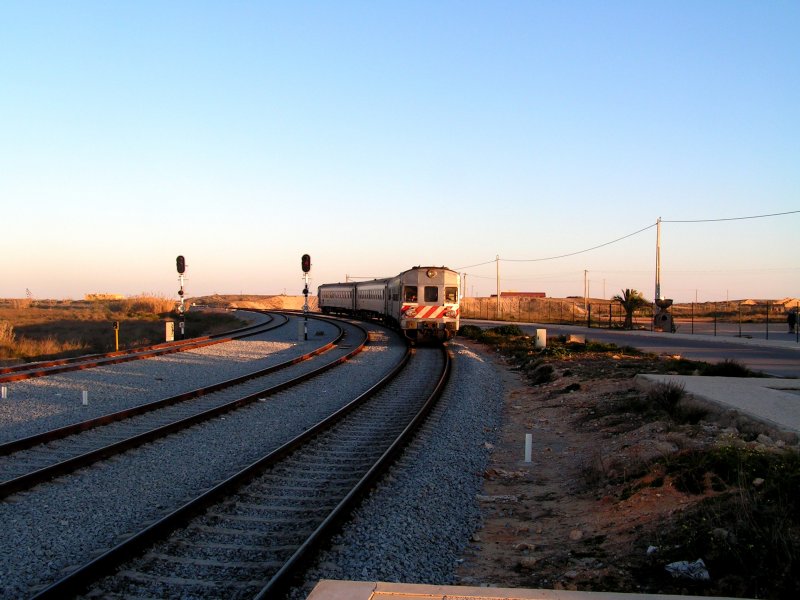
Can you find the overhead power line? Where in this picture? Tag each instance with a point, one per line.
(790, 212)
(560, 255)
(580, 251)
(488, 262)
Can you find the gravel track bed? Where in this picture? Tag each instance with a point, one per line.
(44, 403)
(415, 525)
(66, 522)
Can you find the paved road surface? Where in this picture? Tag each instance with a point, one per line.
(774, 401)
(778, 356)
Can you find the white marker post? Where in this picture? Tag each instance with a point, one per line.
(528, 447)
(3, 392)
(85, 400)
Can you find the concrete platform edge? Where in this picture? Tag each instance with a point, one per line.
(376, 590)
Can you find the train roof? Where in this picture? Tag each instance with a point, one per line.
(381, 279)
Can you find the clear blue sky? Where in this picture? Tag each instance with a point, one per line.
(380, 135)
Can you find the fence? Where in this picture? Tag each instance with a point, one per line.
(756, 320)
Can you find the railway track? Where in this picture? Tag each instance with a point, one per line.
(249, 535)
(63, 365)
(29, 461)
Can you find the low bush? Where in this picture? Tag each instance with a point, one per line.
(666, 396)
(727, 368)
(506, 330)
(748, 530)
(470, 331)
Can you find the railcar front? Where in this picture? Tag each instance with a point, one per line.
(338, 298)
(424, 301)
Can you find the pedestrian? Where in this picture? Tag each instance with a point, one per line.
(792, 319)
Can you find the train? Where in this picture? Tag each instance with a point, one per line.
(422, 302)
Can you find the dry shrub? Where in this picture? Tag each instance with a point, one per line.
(37, 349)
(6, 333)
(149, 304)
(667, 396)
(20, 302)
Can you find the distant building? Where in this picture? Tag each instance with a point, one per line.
(97, 297)
(789, 302)
(521, 295)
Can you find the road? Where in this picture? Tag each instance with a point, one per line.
(779, 356)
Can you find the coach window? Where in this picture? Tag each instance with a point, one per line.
(431, 293)
(410, 293)
(451, 295)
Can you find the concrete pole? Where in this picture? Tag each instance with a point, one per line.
(585, 287)
(658, 259)
(497, 262)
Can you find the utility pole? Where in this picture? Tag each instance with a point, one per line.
(658, 259)
(497, 262)
(585, 288)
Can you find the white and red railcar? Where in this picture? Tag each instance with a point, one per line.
(422, 302)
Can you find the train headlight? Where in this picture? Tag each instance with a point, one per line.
(451, 314)
(411, 312)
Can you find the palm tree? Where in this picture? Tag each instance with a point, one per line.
(631, 300)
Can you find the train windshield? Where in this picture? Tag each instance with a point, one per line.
(431, 293)
(410, 293)
(451, 295)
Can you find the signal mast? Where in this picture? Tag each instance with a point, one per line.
(305, 264)
(180, 263)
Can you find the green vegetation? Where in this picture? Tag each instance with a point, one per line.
(726, 368)
(631, 301)
(746, 526)
(748, 529)
(33, 331)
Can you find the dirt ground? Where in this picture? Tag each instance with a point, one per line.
(594, 510)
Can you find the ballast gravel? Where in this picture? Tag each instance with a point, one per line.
(37, 405)
(55, 526)
(412, 528)
(416, 524)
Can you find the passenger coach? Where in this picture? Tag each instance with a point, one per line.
(422, 302)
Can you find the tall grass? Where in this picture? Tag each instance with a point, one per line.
(34, 331)
(30, 349)
(40, 332)
(149, 304)
(18, 347)
(6, 333)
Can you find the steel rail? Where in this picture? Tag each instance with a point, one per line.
(177, 345)
(78, 580)
(42, 369)
(27, 481)
(297, 563)
(62, 432)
